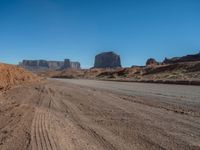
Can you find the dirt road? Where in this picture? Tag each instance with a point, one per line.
(84, 115)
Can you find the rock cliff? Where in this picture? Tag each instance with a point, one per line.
(187, 58)
(75, 64)
(107, 60)
(44, 65)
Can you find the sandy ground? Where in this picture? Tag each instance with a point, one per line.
(89, 115)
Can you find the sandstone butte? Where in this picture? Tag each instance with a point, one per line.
(11, 75)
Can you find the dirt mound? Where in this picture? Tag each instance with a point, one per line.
(12, 75)
(68, 73)
(73, 73)
(120, 73)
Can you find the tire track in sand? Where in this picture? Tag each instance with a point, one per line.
(41, 136)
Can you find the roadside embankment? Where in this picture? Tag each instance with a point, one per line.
(11, 75)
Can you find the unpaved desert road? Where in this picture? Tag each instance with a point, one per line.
(184, 92)
(99, 115)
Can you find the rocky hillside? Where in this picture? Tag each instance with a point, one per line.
(44, 65)
(187, 58)
(12, 75)
(152, 62)
(177, 73)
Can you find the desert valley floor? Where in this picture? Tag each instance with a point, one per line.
(66, 114)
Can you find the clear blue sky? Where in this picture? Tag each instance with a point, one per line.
(79, 29)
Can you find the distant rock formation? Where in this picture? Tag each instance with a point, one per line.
(75, 64)
(151, 62)
(187, 58)
(107, 60)
(55, 65)
(67, 64)
(44, 65)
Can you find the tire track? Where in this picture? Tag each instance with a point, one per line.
(42, 139)
(35, 135)
(50, 138)
(45, 133)
(42, 136)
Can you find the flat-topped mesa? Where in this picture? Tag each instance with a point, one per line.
(55, 65)
(107, 60)
(44, 65)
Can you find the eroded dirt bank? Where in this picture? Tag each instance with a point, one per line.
(55, 115)
(11, 75)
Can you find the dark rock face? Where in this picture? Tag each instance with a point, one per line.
(187, 58)
(66, 64)
(151, 62)
(34, 64)
(43, 65)
(107, 60)
(30, 62)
